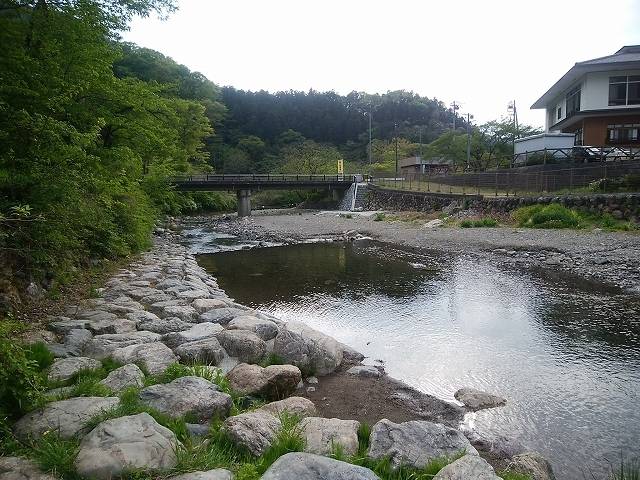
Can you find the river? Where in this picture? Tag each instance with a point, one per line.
(565, 354)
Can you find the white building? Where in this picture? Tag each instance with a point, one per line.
(597, 100)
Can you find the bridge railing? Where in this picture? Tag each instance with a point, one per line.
(267, 178)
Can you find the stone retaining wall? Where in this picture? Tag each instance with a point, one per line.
(620, 205)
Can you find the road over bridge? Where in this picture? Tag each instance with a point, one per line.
(244, 184)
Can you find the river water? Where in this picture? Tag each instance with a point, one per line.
(565, 355)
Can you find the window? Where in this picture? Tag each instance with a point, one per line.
(573, 101)
(559, 113)
(624, 90)
(579, 137)
(623, 134)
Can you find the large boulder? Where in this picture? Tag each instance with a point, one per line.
(141, 292)
(350, 355)
(98, 325)
(307, 466)
(65, 368)
(247, 346)
(183, 312)
(102, 346)
(307, 348)
(126, 443)
(155, 357)
(203, 305)
(477, 399)
(73, 345)
(165, 325)
(273, 382)
(368, 371)
(416, 443)
(216, 474)
(199, 331)
(221, 315)
(140, 316)
(324, 435)
(255, 431)
(193, 294)
(298, 406)
(124, 377)
(66, 417)
(265, 329)
(533, 465)
(207, 351)
(17, 468)
(466, 468)
(194, 396)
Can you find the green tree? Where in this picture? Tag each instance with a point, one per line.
(84, 155)
(311, 158)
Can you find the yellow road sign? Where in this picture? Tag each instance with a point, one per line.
(341, 167)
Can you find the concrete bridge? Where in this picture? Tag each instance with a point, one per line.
(244, 184)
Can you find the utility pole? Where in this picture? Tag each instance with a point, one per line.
(454, 108)
(516, 134)
(469, 117)
(420, 137)
(395, 132)
(370, 144)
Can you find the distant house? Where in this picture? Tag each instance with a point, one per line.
(431, 166)
(598, 101)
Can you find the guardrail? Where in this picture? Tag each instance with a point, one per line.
(577, 154)
(261, 179)
(601, 177)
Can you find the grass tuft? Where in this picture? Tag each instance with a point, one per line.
(289, 440)
(364, 433)
(507, 475)
(56, 456)
(40, 354)
(483, 222)
(272, 359)
(626, 471)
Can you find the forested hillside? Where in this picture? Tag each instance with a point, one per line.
(261, 132)
(85, 154)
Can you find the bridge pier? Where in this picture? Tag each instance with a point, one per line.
(244, 202)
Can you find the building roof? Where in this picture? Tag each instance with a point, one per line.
(626, 57)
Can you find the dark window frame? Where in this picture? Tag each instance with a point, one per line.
(617, 99)
(572, 101)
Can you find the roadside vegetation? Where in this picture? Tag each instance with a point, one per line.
(557, 216)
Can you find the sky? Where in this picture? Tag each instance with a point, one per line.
(481, 54)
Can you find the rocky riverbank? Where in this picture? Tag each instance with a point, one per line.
(256, 373)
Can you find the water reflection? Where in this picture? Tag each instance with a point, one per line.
(566, 358)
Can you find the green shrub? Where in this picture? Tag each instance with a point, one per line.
(547, 216)
(555, 215)
(378, 217)
(22, 382)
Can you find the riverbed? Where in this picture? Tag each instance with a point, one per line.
(565, 354)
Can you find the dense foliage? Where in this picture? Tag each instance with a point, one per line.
(85, 154)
